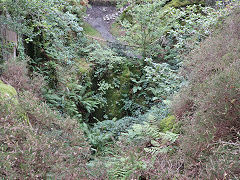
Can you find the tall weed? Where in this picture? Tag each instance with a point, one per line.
(37, 143)
(209, 106)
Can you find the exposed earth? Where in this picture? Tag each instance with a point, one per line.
(96, 18)
(101, 18)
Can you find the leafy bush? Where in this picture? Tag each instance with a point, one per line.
(129, 144)
(163, 81)
(163, 33)
(127, 86)
(135, 153)
(50, 33)
(104, 133)
(49, 29)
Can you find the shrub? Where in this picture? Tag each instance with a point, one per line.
(40, 144)
(16, 74)
(132, 146)
(209, 106)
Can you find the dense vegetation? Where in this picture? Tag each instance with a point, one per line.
(169, 108)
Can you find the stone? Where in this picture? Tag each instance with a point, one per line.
(8, 98)
(7, 92)
(104, 9)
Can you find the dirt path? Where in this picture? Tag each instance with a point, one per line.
(95, 16)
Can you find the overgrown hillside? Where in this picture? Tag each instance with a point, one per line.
(162, 102)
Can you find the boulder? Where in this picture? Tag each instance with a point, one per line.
(7, 92)
(8, 99)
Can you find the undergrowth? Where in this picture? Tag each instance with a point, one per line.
(37, 142)
(202, 140)
(121, 126)
(210, 106)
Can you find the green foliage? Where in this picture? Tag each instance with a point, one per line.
(158, 31)
(73, 100)
(163, 146)
(51, 33)
(192, 25)
(144, 27)
(110, 76)
(168, 123)
(162, 80)
(125, 158)
(149, 131)
(53, 38)
(126, 88)
(49, 27)
(98, 88)
(51, 74)
(104, 133)
(183, 3)
(123, 168)
(105, 61)
(89, 30)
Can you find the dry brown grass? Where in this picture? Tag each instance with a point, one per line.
(210, 106)
(16, 73)
(36, 142)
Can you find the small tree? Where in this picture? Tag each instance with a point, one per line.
(154, 29)
(145, 27)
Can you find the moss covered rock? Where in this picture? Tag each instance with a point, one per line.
(183, 3)
(9, 101)
(7, 92)
(84, 67)
(169, 124)
(114, 96)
